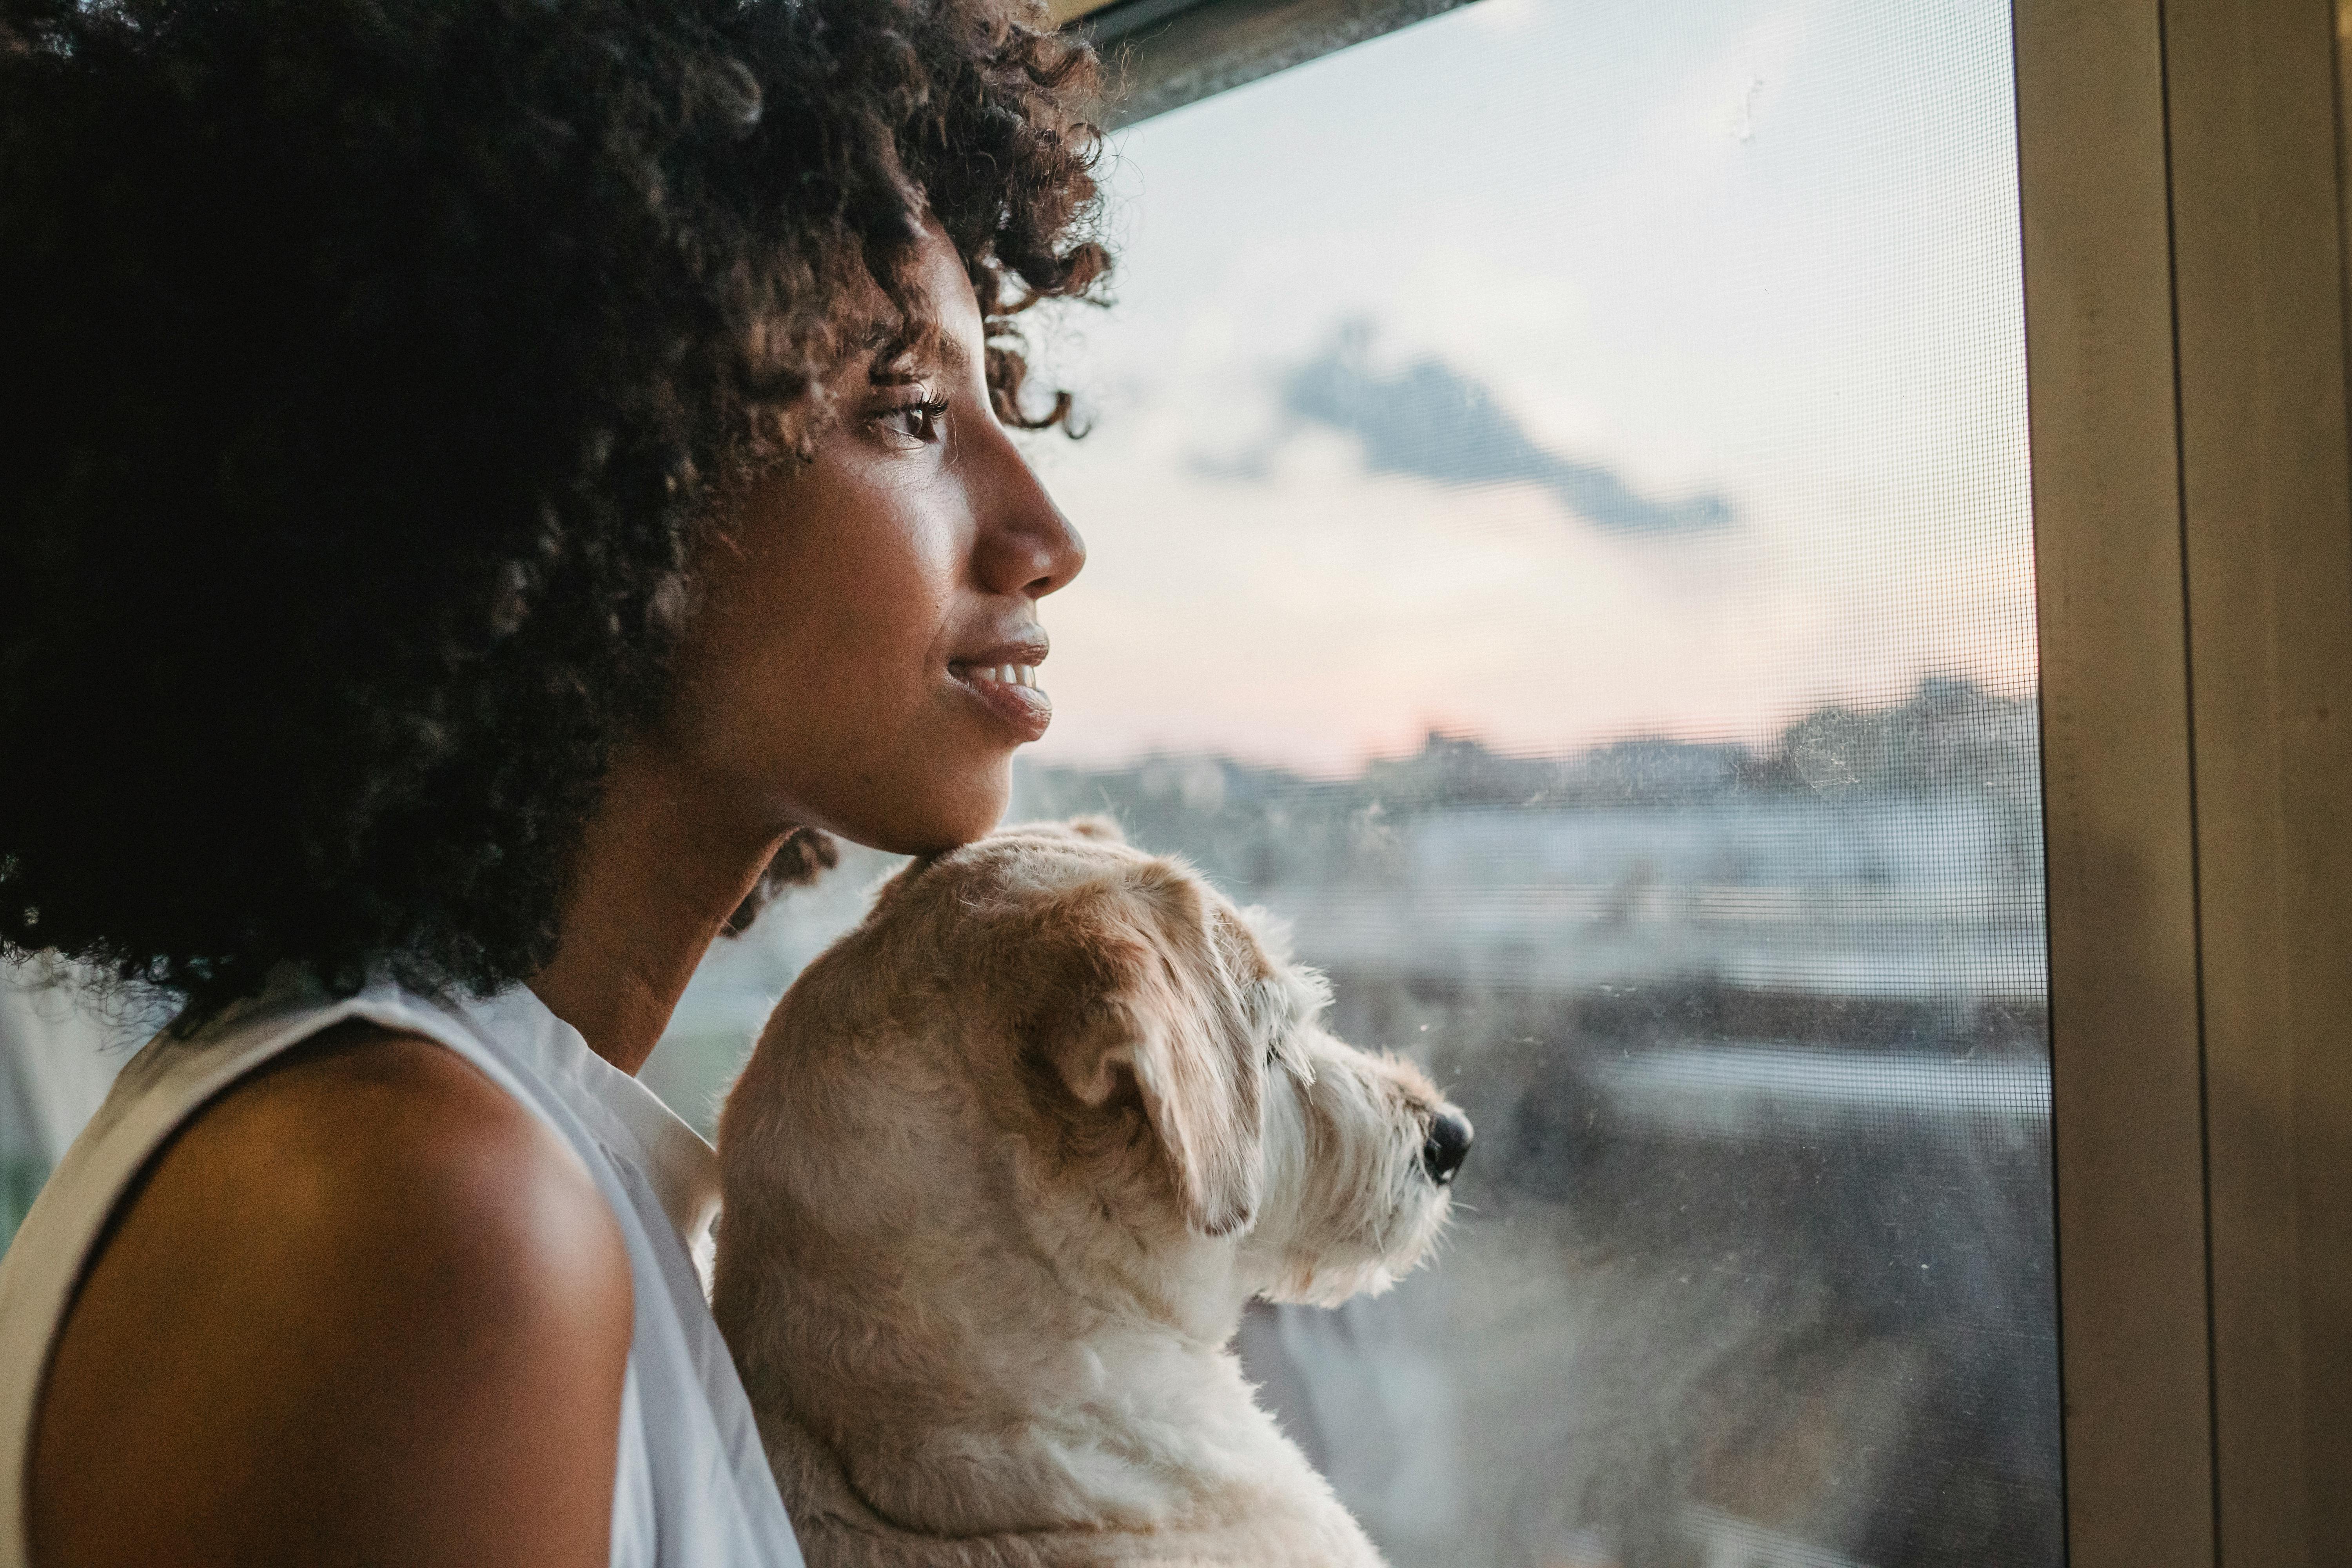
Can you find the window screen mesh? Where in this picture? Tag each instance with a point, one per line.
(1558, 503)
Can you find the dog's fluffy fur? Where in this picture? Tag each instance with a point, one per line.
(1007, 1164)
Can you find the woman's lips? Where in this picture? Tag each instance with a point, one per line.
(1011, 693)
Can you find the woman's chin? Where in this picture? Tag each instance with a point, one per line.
(928, 823)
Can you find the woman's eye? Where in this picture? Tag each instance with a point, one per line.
(915, 421)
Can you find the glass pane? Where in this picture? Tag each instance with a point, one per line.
(1561, 538)
(63, 1037)
(1560, 530)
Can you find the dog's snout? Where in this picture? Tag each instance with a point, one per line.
(1448, 1146)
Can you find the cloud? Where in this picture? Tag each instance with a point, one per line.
(1430, 421)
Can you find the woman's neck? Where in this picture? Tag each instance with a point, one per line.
(658, 875)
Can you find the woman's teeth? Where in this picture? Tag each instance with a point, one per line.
(1010, 674)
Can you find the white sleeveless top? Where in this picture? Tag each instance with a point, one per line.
(693, 1489)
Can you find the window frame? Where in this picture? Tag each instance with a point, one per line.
(2185, 340)
(2186, 320)
(1164, 54)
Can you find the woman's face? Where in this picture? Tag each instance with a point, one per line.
(864, 653)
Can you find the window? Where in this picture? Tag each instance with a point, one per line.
(61, 1042)
(1559, 499)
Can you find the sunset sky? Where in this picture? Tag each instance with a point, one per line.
(1553, 370)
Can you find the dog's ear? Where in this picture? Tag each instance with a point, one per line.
(1154, 1003)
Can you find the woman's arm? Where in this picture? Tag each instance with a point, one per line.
(365, 1307)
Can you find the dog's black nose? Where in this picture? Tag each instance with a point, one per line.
(1448, 1146)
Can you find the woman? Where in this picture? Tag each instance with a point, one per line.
(486, 481)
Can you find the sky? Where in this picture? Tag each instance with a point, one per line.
(1552, 372)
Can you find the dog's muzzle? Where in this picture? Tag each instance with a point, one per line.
(1448, 1146)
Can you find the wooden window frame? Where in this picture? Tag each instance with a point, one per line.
(2185, 342)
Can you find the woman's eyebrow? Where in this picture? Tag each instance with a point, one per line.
(943, 354)
(954, 358)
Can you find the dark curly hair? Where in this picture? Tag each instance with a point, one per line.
(372, 364)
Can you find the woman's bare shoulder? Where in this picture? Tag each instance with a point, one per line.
(363, 1297)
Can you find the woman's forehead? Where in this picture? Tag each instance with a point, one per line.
(949, 302)
(947, 338)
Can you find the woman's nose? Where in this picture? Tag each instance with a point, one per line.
(1025, 546)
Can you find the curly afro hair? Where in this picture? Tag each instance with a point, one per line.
(371, 363)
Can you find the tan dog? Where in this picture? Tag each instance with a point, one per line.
(1007, 1164)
